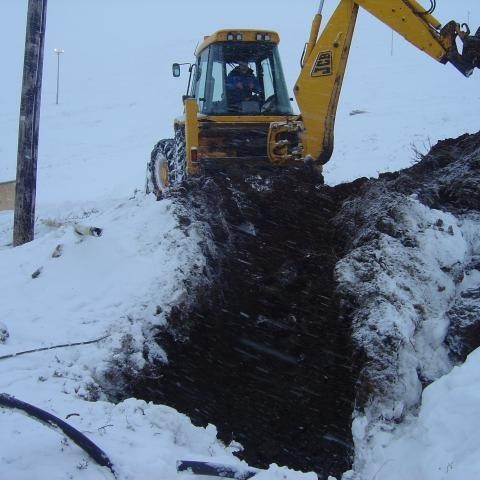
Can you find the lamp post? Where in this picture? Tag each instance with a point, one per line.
(58, 51)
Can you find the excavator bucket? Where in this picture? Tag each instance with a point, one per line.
(471, 50)
(469, 59)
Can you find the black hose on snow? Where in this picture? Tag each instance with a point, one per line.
(57, 424)
(215, 470)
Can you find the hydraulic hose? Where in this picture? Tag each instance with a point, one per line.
(433, 6)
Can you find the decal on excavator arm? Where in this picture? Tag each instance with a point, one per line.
(323, 64)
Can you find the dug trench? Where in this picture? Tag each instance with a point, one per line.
(263, 348)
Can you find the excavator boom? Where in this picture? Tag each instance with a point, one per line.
(318, 86)
(422, 29)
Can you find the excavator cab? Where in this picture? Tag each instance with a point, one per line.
(236, 110)
(239, 73)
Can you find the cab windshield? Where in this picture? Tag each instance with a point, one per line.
(241, 78)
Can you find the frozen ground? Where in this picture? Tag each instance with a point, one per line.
(117, 98)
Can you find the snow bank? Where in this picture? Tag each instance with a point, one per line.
(118, 285)
(442, 442)
(142, 440)
(411, 281)
(401, 283)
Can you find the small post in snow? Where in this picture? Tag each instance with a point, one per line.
(24, 217)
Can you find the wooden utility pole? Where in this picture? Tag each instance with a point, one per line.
(24, 217)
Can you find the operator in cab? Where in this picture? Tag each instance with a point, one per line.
(242, 86)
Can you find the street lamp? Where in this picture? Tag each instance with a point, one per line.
(58, 51)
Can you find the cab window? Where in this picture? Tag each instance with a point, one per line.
(241, 78)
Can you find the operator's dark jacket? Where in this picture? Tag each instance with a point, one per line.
(247, 80)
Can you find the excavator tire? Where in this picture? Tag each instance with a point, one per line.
(179, 162)
(166, 167)
(159, 167)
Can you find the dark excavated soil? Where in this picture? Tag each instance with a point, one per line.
(263, 350)
(264, 354)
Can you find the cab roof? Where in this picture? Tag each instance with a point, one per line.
(238, 35)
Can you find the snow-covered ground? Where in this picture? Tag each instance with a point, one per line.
(117, 98)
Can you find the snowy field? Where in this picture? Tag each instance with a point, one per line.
(117, 98)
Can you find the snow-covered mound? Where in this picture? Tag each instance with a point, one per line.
(409, 282)
(118, 286)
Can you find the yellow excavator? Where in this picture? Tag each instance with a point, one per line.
(237, 107)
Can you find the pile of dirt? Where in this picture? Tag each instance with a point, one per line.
(264, 348)
(446, 179)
